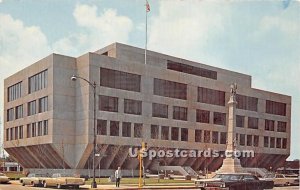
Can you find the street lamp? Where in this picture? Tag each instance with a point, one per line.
(74, 78)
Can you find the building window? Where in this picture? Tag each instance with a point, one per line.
(43, 104)
(269, 125)
(19, 111)
(45, 131)
(240, 120)
(255, 140)
(38, 81)
(16, 133)
(165, 133)
(219, 118)
(253, 123)
(133, 107)
(126, 129)
(266, 142)
(206, 136)
(14, 92)
(272, 142)
(249, 140)
(174, 133)
(159, 110)
(210, 96)
(278, 142)
(33, 129)
(21, 132)
(101, 127)
(10, 114)
(223, 137)
(242, 139)
(120, 80)
(281, 126)
(180, 113)
(108, 103)
(31, 108)
(215, 137)
(11, 133)
(284, 143)
(184, 134)
(180, 67)
(202, 116)
(40, 128)
(7, 134)
(170, 89)
(28, 130)
(154, 131)
(246, 102)
(198, 135)
(276, 108)
(114, 128)
(138, 127)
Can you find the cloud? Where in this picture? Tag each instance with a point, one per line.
(96, 30)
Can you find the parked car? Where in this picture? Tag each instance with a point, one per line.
(63, 180)
(3, 178)
(33, 179)
(283, 179)
(234, 181)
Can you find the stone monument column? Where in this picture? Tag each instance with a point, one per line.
(231, 164)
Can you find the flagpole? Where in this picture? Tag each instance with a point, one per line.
(146, 11)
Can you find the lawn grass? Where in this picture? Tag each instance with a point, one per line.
(148, 181)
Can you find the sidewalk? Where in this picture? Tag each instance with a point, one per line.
(154, 186)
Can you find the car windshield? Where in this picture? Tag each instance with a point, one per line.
(228, 177)
(270, 175)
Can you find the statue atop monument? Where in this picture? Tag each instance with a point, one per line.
(233, 88)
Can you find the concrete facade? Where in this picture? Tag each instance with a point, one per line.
(67, 143)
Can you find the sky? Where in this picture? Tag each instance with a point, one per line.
(258, 38)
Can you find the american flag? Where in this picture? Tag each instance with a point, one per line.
(147, 6)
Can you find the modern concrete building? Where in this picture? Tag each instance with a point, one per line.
(169, 103)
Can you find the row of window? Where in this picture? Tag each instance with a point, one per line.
(253, 123)
(270, 142)
(14, 92)
(112, 128)
(33, 129)
(17, 112)
(269, 125)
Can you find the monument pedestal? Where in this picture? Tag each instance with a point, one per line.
(231, 165)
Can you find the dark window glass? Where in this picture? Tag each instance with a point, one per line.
(215, 137)
(206, 136)
(202, 116)
(180, 67)
(108, 103)
(249, 140)
(174, 133)
(120, 80)
(276, 108)
(114, 128)
(126, 129)
(269, 125)
(272, 142)
(159, 110)
(31, 109)
(40, 128)
(242, 139)
(284, 143)
(219, 118)
(180, 113)
(10, 114)
(138, 127)
(19, 112)
(28, 130)
(101, 127)
(14, 92)
(246, 102)
(165, 133)
(266, 141)
(11, 133)
(281, 126)
(7, 134)
(198, 135)
(240, 121)
(154, 131)
(278, 142)
(43, 104)
(33, 129)
(210, 96)
(45, 131)
(20, 132)
(16, 132)
(184, 134)
(253, 123)
(170, 89)
(38, 81)
(133, 107)
(223, 137)
(255, 140)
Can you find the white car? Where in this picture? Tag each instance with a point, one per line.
(33, 179)
(3, 178)
(283, 179)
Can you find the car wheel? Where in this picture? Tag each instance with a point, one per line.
(58, 186)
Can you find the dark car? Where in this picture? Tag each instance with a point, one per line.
(234, 181)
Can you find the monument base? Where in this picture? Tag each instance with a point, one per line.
(231, 165)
